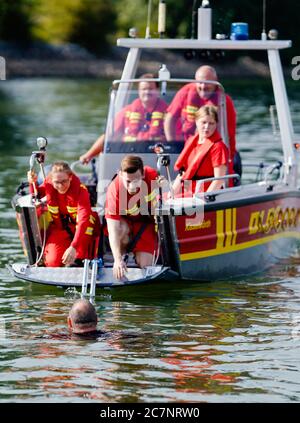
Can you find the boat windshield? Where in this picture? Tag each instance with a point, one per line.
(138, 109)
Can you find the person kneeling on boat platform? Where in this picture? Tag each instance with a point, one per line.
(204, 156)
(74, 228)
(130, 199)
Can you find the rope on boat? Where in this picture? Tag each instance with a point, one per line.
(157, 251)
(43, 245)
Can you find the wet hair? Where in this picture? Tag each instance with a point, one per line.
(207, 111)
(149, 76)
(132, 164)
(61, 166)
(83, 313)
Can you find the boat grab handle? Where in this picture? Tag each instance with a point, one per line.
(215, 178)
(271, 169)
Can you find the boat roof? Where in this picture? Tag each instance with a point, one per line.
(167, 43)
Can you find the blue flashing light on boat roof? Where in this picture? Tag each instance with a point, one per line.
(239, 31)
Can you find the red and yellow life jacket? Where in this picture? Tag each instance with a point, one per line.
(72, 208)
(141, 124)
(193, 103)
(119, 203)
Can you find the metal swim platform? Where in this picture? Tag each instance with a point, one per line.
(73, 277)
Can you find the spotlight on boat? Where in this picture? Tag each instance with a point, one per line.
(273, 34)
(133, 32)
(221, 36)
(204, 55)
(42, 143)
(189, 54)
(219, 54)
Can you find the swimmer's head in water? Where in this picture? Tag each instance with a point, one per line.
(82, 317)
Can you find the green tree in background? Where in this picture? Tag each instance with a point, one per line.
(134, 14)
(86, 22)
(15, 20)
(280, 15)
(96, 23)
(54, 20)
(179, 18)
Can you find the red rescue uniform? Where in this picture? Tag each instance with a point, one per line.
(135, 209)
(187, 101)
(199, 160)
(135, 123)
(73, 222)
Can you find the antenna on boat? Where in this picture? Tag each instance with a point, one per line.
(147, 35)
(264, 34)
(162, 18)
(194, 14)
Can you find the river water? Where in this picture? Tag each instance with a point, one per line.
(231, 341)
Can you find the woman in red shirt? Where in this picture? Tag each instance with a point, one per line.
(74, 226)
(205, 155)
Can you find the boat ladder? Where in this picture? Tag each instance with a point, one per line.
(93, 279)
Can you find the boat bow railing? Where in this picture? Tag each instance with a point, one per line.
(121, 87)
(211, 196)
(264, 170)
(116, 82)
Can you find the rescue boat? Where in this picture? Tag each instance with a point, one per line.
(228, 233)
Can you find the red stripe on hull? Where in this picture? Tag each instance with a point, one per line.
(236, 226)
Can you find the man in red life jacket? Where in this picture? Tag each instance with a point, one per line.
(189, 99)
(74, 226)
(130, 200)
(141, 120)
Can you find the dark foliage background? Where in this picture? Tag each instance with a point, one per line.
(95, 24)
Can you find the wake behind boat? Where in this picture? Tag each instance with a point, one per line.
(237, 230)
